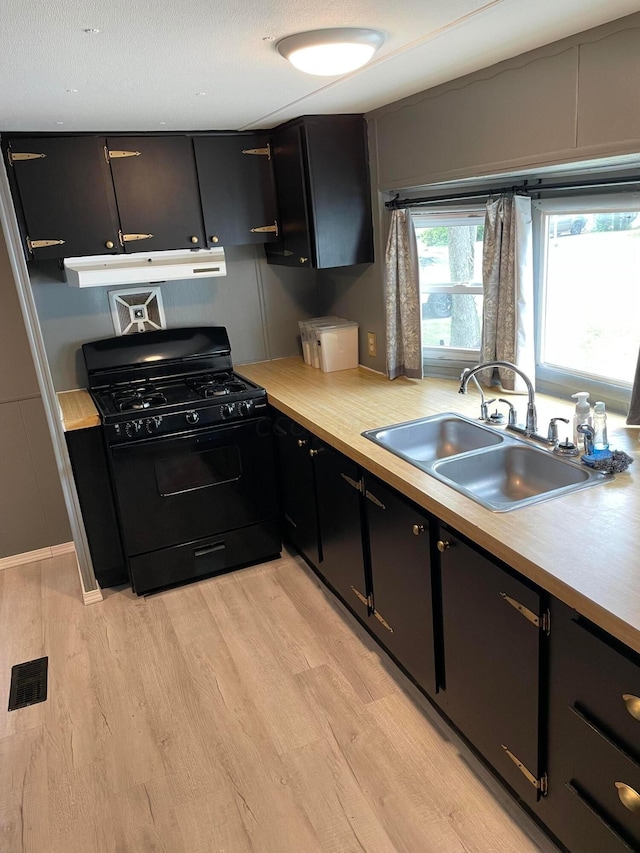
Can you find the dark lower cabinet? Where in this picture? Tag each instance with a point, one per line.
(549, 701)
(594, 738)
(492, 659)
(339, 519)
(97, 503)
(399, 549)
(297, 487)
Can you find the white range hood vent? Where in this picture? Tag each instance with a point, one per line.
(103, 270)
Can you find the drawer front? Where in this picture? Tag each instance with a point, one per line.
(605, 684)
(601, 775)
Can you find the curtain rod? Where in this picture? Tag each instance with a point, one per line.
(398, 203)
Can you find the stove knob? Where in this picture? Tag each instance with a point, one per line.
(227, 410)
(192, 417)
(131, 428)
(245, 406)
(152, 424)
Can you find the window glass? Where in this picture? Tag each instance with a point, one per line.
(450, 264)
(589, 321)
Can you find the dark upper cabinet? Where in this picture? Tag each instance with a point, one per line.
(492, 657)
(66, 199)
(237, 189)
(399, 544)
(156, 187)
(322, 181)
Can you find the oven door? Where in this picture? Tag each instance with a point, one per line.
(176, 489)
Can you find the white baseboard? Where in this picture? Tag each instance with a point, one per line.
(35, 556)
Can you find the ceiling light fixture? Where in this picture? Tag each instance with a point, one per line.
(331, 52)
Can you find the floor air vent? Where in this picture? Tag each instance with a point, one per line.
(28, 683)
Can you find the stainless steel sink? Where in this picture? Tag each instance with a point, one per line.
(428, 439)
(495, 469)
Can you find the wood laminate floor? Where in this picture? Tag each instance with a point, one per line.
(242, 713)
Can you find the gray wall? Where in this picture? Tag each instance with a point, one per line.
(572, 101)
(32, 510)
(258, 303)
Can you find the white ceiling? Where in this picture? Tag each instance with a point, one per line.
(212, 64)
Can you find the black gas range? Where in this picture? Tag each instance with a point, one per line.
(190, 450)
(171, 383)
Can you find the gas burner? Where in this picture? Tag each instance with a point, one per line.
(216, 384)
(137, 397)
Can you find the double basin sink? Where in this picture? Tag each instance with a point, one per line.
(493, 468)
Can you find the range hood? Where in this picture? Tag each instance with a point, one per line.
(103, 270)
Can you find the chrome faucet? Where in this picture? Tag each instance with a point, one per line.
(531, 425)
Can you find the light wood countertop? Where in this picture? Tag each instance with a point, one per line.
(77, 410)
(582, 547)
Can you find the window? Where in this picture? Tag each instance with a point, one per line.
(588, 306)
(450, 264)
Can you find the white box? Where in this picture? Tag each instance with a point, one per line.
(308, 338)
(338, 346)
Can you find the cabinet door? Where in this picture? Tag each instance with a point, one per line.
(342, 562)
(157, 191)
(594, 737)
(97, 502)
(66, 194)
(339, 193)
(401, 581)
(491, 661)
(297, 488)
(236, 188)
(294, 247)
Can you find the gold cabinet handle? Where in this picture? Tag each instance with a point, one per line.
(194, 239)
(633, 704)
(629, 798)
(214, 239)
(443, 545)
(302, 442)
(303, 260)
(109, 244)
(417, 529)
(313, 452)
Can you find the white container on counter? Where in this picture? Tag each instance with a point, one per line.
(338, 346)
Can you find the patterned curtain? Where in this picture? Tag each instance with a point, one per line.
(507, 272)
(402, 299)
(634, 407)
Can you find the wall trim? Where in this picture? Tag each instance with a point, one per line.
(37, 556)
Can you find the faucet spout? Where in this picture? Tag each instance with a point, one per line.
(531, 424)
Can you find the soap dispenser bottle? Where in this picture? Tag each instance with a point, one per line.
(600, 440)
(582, 414)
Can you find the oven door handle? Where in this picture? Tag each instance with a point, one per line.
(209, 549)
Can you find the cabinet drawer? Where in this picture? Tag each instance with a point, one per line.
(612, 699)
(602, 776)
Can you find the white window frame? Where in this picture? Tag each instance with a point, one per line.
(552, 379)
(449, 361)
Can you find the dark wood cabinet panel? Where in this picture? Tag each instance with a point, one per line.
(491, 660)
(322, 181)
(97, 503)
(339, 518)
(399, 545)
(236, 188)
(157, 192)
(298, 508)
(66, 195)
(594, 737)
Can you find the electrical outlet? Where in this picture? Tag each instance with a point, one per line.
(372, 345)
